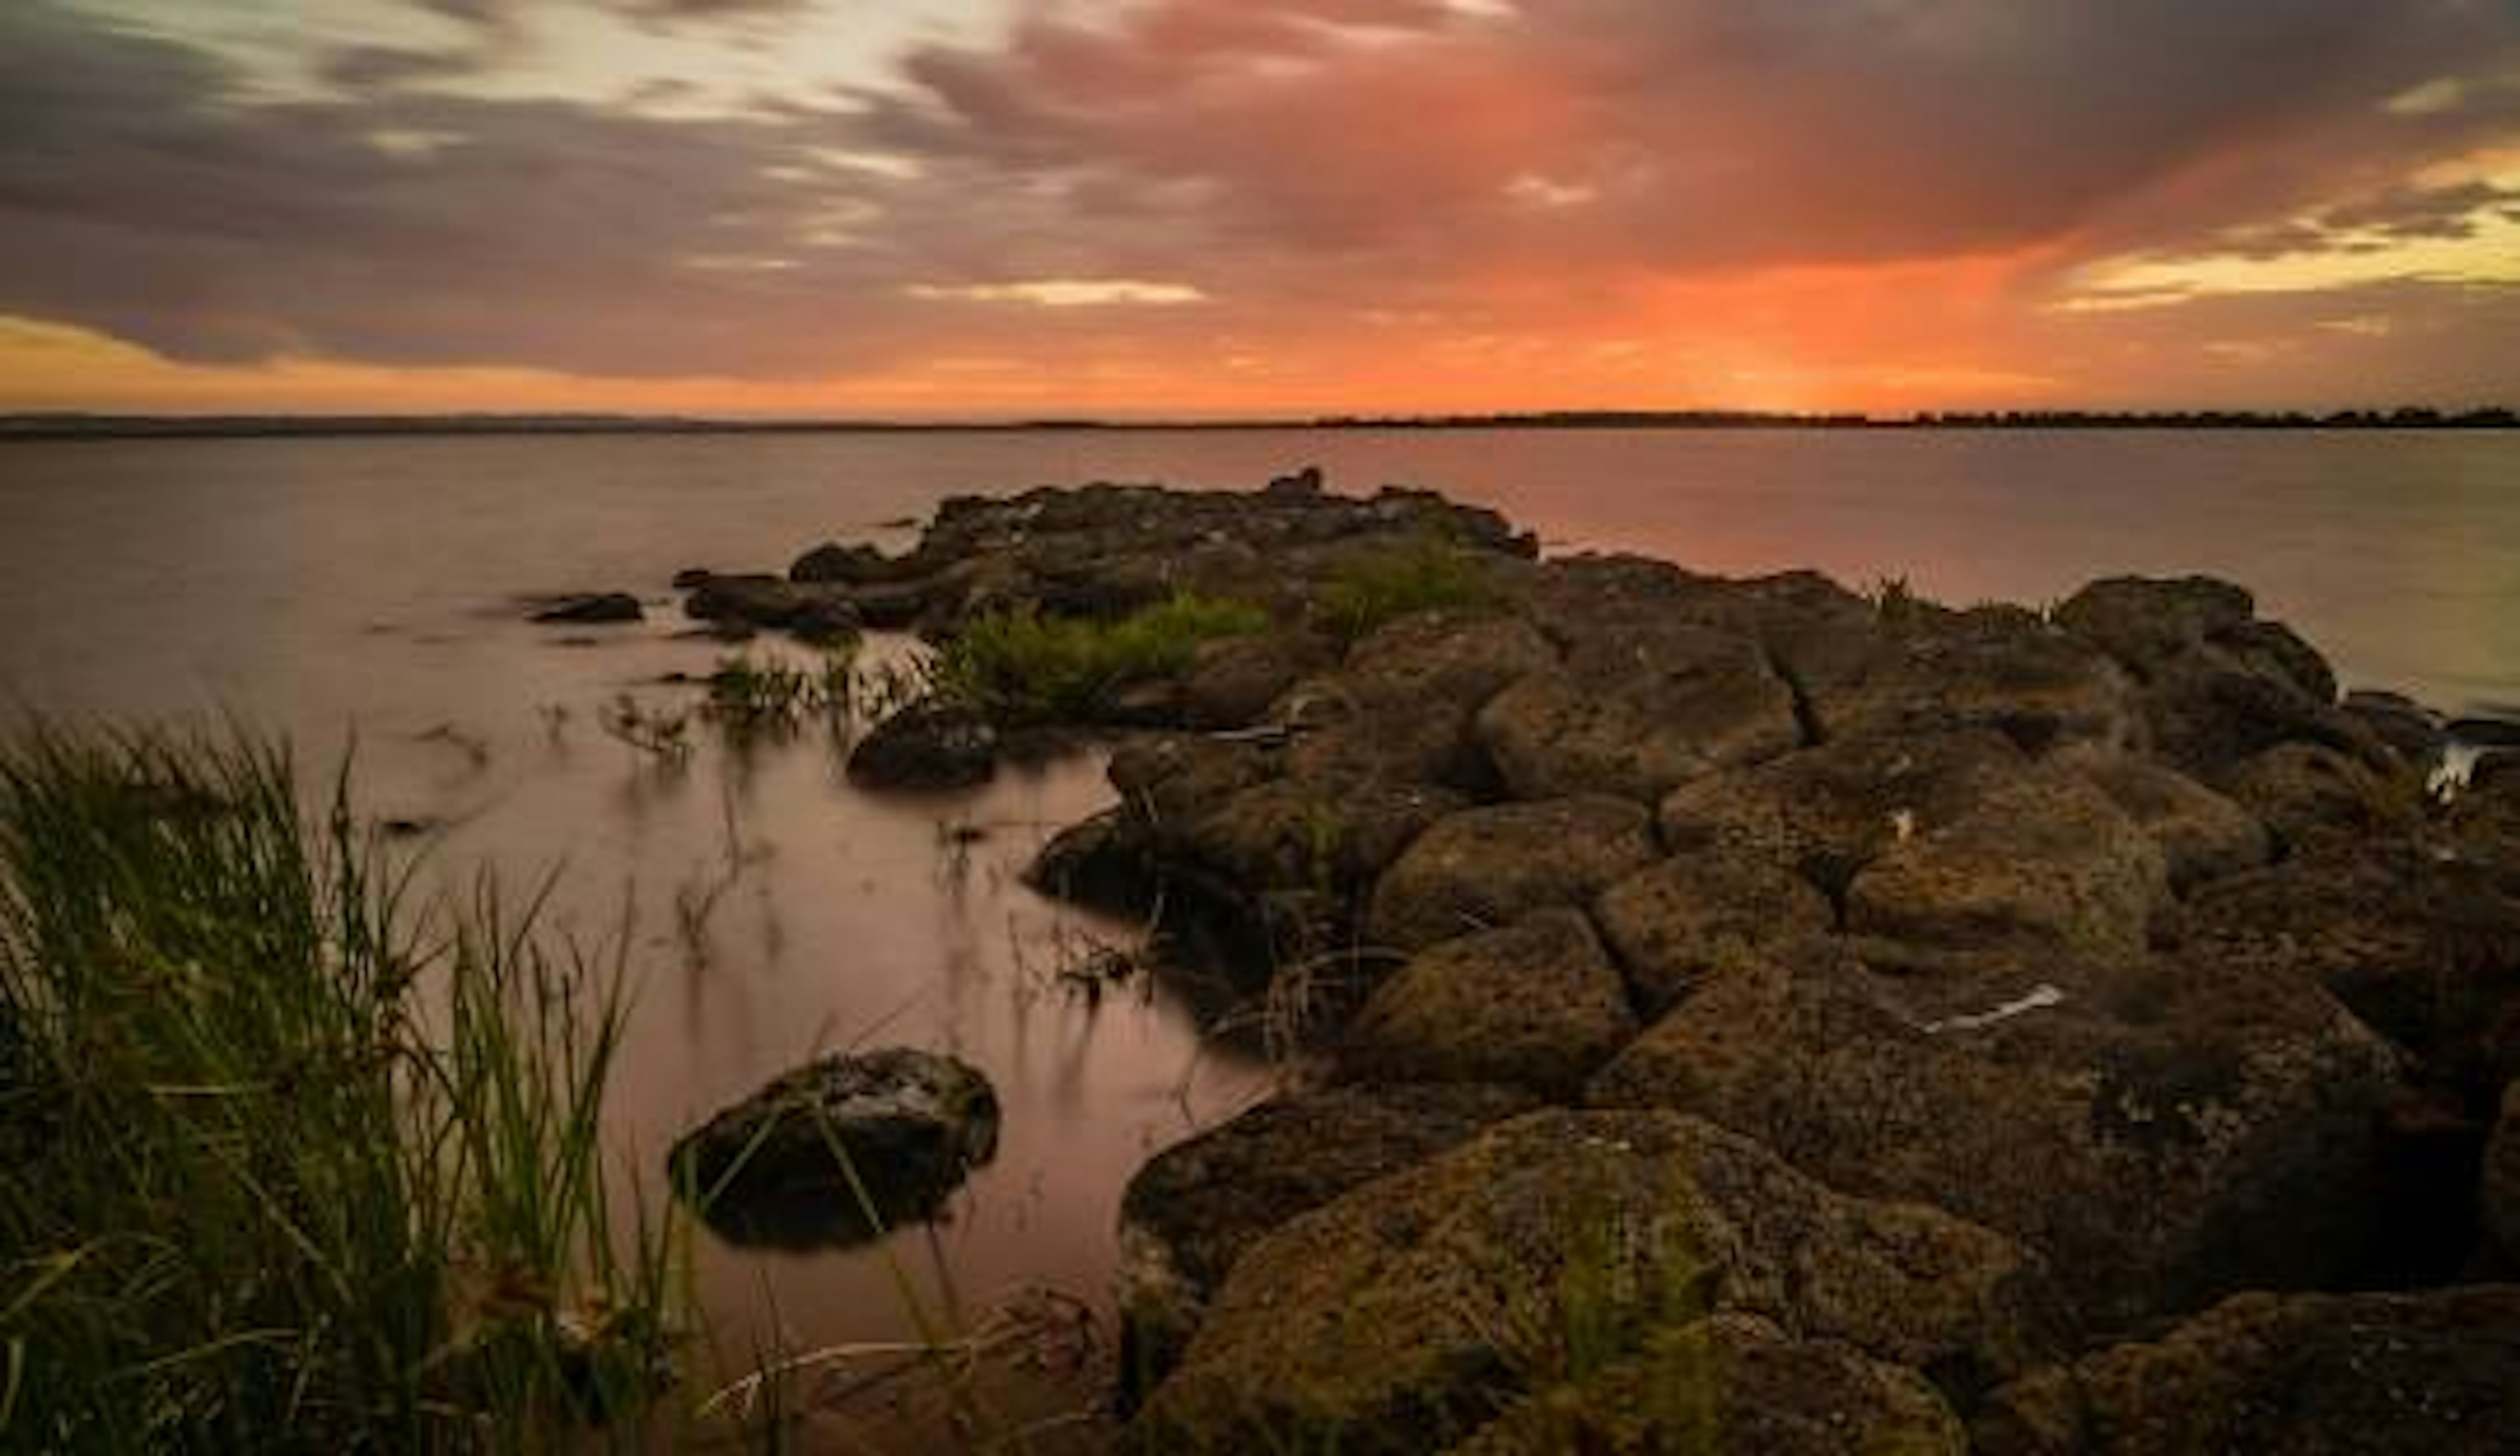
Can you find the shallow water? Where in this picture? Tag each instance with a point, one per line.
(368, 589)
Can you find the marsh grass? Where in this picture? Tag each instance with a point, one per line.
(1378, 587)
(1020, 666)
(296, 1160)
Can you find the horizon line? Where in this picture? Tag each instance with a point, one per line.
(86, 424)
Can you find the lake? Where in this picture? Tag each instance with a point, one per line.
(367, 591)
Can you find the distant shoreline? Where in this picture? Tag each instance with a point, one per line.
(80, 427)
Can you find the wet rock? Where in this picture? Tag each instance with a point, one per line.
(1675, 924)
(1234, 682)
(854, 564)
(1535, 1005)
(1488, 867)
(890, 606)
(2163, 1132)
(1730, 1384)
(691, 576)
(1099, 862)
(1637, 713)
(1189, 1213)
(2499, 1191)
(2429, 1373)
(1302, 485)
(2044, 861)
(908, 1125)
(593, 608)
(1403, 1315)
(1825, 813)
(933, 744)
(2202, 835)
(2307, 793)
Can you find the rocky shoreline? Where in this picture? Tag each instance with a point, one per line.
(1752, 1015)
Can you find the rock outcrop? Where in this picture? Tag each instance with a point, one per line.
(1404, 1316)
(839, 1150)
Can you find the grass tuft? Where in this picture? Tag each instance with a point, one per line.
(1020, 667)
(296, 1162)
(1377, 587)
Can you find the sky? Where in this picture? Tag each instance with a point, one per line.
(992, 208)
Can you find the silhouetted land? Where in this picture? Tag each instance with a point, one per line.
(58, 426)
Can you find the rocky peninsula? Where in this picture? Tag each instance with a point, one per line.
(1753, 1015)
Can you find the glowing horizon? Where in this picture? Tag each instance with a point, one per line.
(1133, 208)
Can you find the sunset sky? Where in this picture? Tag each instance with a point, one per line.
(952, 209)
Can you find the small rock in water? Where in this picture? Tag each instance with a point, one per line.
(933, 744)
(593, 607)
(839, 1150)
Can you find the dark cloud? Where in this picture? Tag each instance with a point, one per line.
(1304, 164)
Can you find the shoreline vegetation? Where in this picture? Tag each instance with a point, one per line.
(82, 426)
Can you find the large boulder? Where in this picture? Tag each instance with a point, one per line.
(2310, 795)
(2433, 1374)
(1232, 683)
(1639, 712)
(1827, 813)
(1535, 1005)
(2418, 939)
(1928, 671)
(840, 1149)
(1403, 705)
(1730, 1384)
(2043, 860)
(937, 743)
(2218, 685)
(1680, 921)
(2202, 835)
(1410, 1311)
(2163, 1132)
(853, 564)
(1488, 867)
(1189, 1213)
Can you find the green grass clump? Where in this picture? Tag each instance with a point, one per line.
(1019, 666)
(1376, 587)
(296, 1163)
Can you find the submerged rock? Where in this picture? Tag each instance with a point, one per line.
(839, 1150)
(933, 744)
(1404, 1316)
(2434, 1374)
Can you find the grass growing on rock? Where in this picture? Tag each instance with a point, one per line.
(296, 1162)
(1020, 666)
(1375, 588)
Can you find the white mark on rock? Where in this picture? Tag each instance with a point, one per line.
(1903, 826)
(2040, 996)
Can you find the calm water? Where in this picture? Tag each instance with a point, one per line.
(368, 588)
